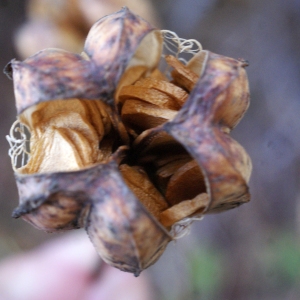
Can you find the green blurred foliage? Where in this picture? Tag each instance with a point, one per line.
(205, 272)
(281, 260)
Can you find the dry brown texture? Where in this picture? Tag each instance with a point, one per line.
(185, 183)
(34, 81)
(157, 74)
(180, 177)
(73, 129)
(181, 74)
(118, 41)
(66, 136)
(175, 92)
(199, 126)
(149, 95)
(205, 120)
(167, 166)
(184, 209)
(121, 228)
(113, 43)
(139, 183)
(61, 211)
(146, 104)
(140, 116)
(180, 144)
(129, 77)
(64, 24)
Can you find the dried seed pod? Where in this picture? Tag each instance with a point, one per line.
(118, 42)
(44, 85)
(181, 162)
(72, 179)
(218, 165)
(123, 231)
(66, 135)
(218, 102)
(96, 73)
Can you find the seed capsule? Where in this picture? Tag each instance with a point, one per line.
(215, 106)
(131, 153)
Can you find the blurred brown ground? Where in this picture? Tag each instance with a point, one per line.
(252, 252)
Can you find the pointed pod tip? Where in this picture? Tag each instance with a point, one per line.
(244, 62)
(8, 70)
(137, 273)
(16, 214)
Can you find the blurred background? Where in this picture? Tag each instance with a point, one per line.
(252, 252)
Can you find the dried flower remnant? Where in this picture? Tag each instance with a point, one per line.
(65, 23)
(132, 152)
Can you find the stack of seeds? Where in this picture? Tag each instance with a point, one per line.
(176, 189)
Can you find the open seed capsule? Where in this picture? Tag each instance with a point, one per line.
(212, 94)
(129, 152)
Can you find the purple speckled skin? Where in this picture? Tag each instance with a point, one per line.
(112, 42)
(215, 105)
(97, 198)
(58, 74)
(120, 227)
(124, 233)
(219, 99)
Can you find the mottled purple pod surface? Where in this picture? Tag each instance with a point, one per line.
(55, 201)
(216, 104)
(112, 42)
(52, 74)
(58, 74)
(122, 230)
(179, 161)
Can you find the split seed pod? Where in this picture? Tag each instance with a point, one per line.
(128, 152)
